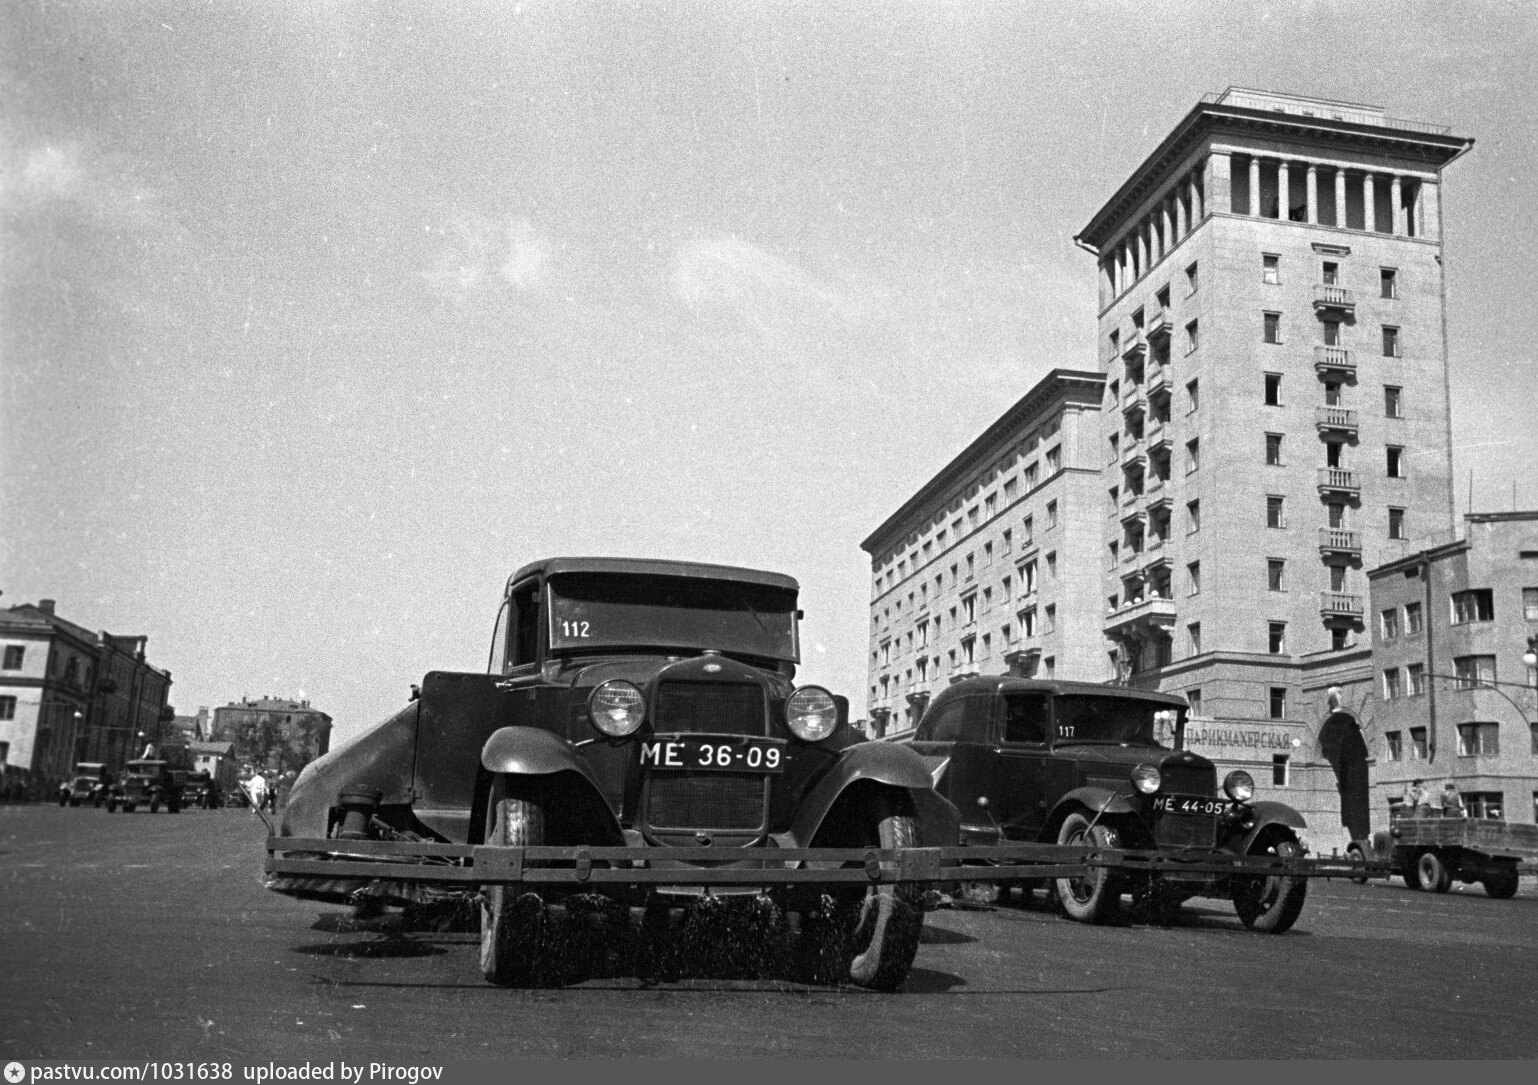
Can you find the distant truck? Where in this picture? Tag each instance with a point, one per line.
(89, 784)
(1430, 852)
(146, 782)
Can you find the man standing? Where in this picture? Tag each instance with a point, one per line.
(256, 787)
(1415, 801)
(1452, 802)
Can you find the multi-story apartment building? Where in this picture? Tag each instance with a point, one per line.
(979, 571)
(1456, 686)
(1275, 419)
(273, 733)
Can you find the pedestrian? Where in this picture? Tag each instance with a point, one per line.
(256, 787)
(1452, 802)
(1416, 802)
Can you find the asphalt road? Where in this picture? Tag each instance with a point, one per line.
(149, 936)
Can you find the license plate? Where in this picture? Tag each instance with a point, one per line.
(1188, 804)
(714, 753)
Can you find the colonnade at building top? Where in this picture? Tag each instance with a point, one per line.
(1268, 186)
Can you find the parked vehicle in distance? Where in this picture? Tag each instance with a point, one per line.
(201, 790)
(1080, 763)
(1431, 852)
(147, 782)
(649, 706)
(89, 784)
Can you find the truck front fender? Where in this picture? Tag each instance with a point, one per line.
(890, 765)
(1268, 814)
(575, 802)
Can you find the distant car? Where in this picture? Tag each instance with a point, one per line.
(201, 790)
(640, 705)
(146, 782)
(89, 784)
(1080, 763)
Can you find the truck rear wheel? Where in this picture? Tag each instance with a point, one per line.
(1432, 873)
(1354, 853)
(1094, 897)
(512, 918)
(1271, 905)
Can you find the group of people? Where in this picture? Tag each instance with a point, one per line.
(1417, 800)
(265, 797)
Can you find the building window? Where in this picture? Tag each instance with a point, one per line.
(1395, 461)
(1340, 638)
(1193, 395)
(1052, 568)
(1193, 455)
(1390, 683)
(1331, 332)
(14, 653)
(1279, 766)
(1006, 541)
(1054, 457)
(987, 554)
(1272, 328)
(1028, 578)
(969, 609)
(1276, 637)
(1191, 280)
(1194, 638)
(1027, 531)
(1395, 741)
(1472, 671)
(1415, 675)
(1194, 578)
(1010, 486)
(1390, 342)
(1412, 618)
(1479, 740)
(1530, 604)
(1487, 805)
(1393, 401)
(1027, 622)
(1278, 702)
(1273, 389)
(969, 649)
(1418, 747)
(990, 505)
(1330, 273)
(1270, 268)
(1532, 733)
(987, 600)
(1389, 620)
(1332, 393)
(7, 708)
(1049, 619)
(1275, 571)
(1338, 577)
(1193, 338)
(1114, 550)
(1388, 283)
(1194, 699)
(1273, 450)
(1276, 511)
(1051, 514)
(1474, 605)
(1396, 528)
(1049, 667)
(1193, 517)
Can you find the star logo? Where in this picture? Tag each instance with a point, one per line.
(15, 1072)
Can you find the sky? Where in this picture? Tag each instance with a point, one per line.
(318, 321)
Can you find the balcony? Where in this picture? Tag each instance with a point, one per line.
(1338, 480)
(1333, 361)
(1135, 349)
(1340, 420)
(963, 671)
(1141, 618)
(1131, 514)
(1158, 439)
(1159, 499)
(1133, 403)
(1158, 326)
(1331, 298)
(1339, 541)
(1338, 605)
(1133, 458)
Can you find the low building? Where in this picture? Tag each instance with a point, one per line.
(1454, 696)
(48, 669)
(274, 734)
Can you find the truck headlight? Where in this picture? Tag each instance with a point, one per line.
(1146, 779)
(811, 713)
(616, 708)
(1239, 786)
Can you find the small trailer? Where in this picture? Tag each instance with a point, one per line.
(1430, 852)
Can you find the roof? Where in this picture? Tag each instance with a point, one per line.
(1011, 684)
(222, 749)
(29, 617)
(655, 567)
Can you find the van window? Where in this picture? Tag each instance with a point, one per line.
(1025, 717)
(943, 725)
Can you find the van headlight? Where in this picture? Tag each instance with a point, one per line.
(811, 713)
(1146, 779)
(616, 708)
(1239, 786)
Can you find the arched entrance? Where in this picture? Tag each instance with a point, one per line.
(1341, 742)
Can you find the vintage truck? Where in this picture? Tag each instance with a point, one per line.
(1430, 852)
(89, 784)
(146, 781)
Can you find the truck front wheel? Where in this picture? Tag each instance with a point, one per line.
(891, 919)
(512, 918)
(1271, 905)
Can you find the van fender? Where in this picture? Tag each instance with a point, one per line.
(1099, 801)
(888, 764)
(529, 751)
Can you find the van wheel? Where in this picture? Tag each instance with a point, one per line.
(513, 932)
(1433, 873)
(1271, 905)
(1094, 897)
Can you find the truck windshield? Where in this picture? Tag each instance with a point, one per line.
(1109, 719)
(597, 611)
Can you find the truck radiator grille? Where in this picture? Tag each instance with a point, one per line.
(717, 801)
(1188, 780)
(1179, 831)
(709, 708)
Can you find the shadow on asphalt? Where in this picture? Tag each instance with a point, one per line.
(382, 948)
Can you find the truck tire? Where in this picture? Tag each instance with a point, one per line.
(1432, 873)
(1502, 883)
(1354, 853)
(512, 918)
(1271, 905)
(891, 917)
(111, 806)
(1096, 896)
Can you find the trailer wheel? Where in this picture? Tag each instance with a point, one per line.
(513, 932)
(1433, 873)
(1501, 884)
